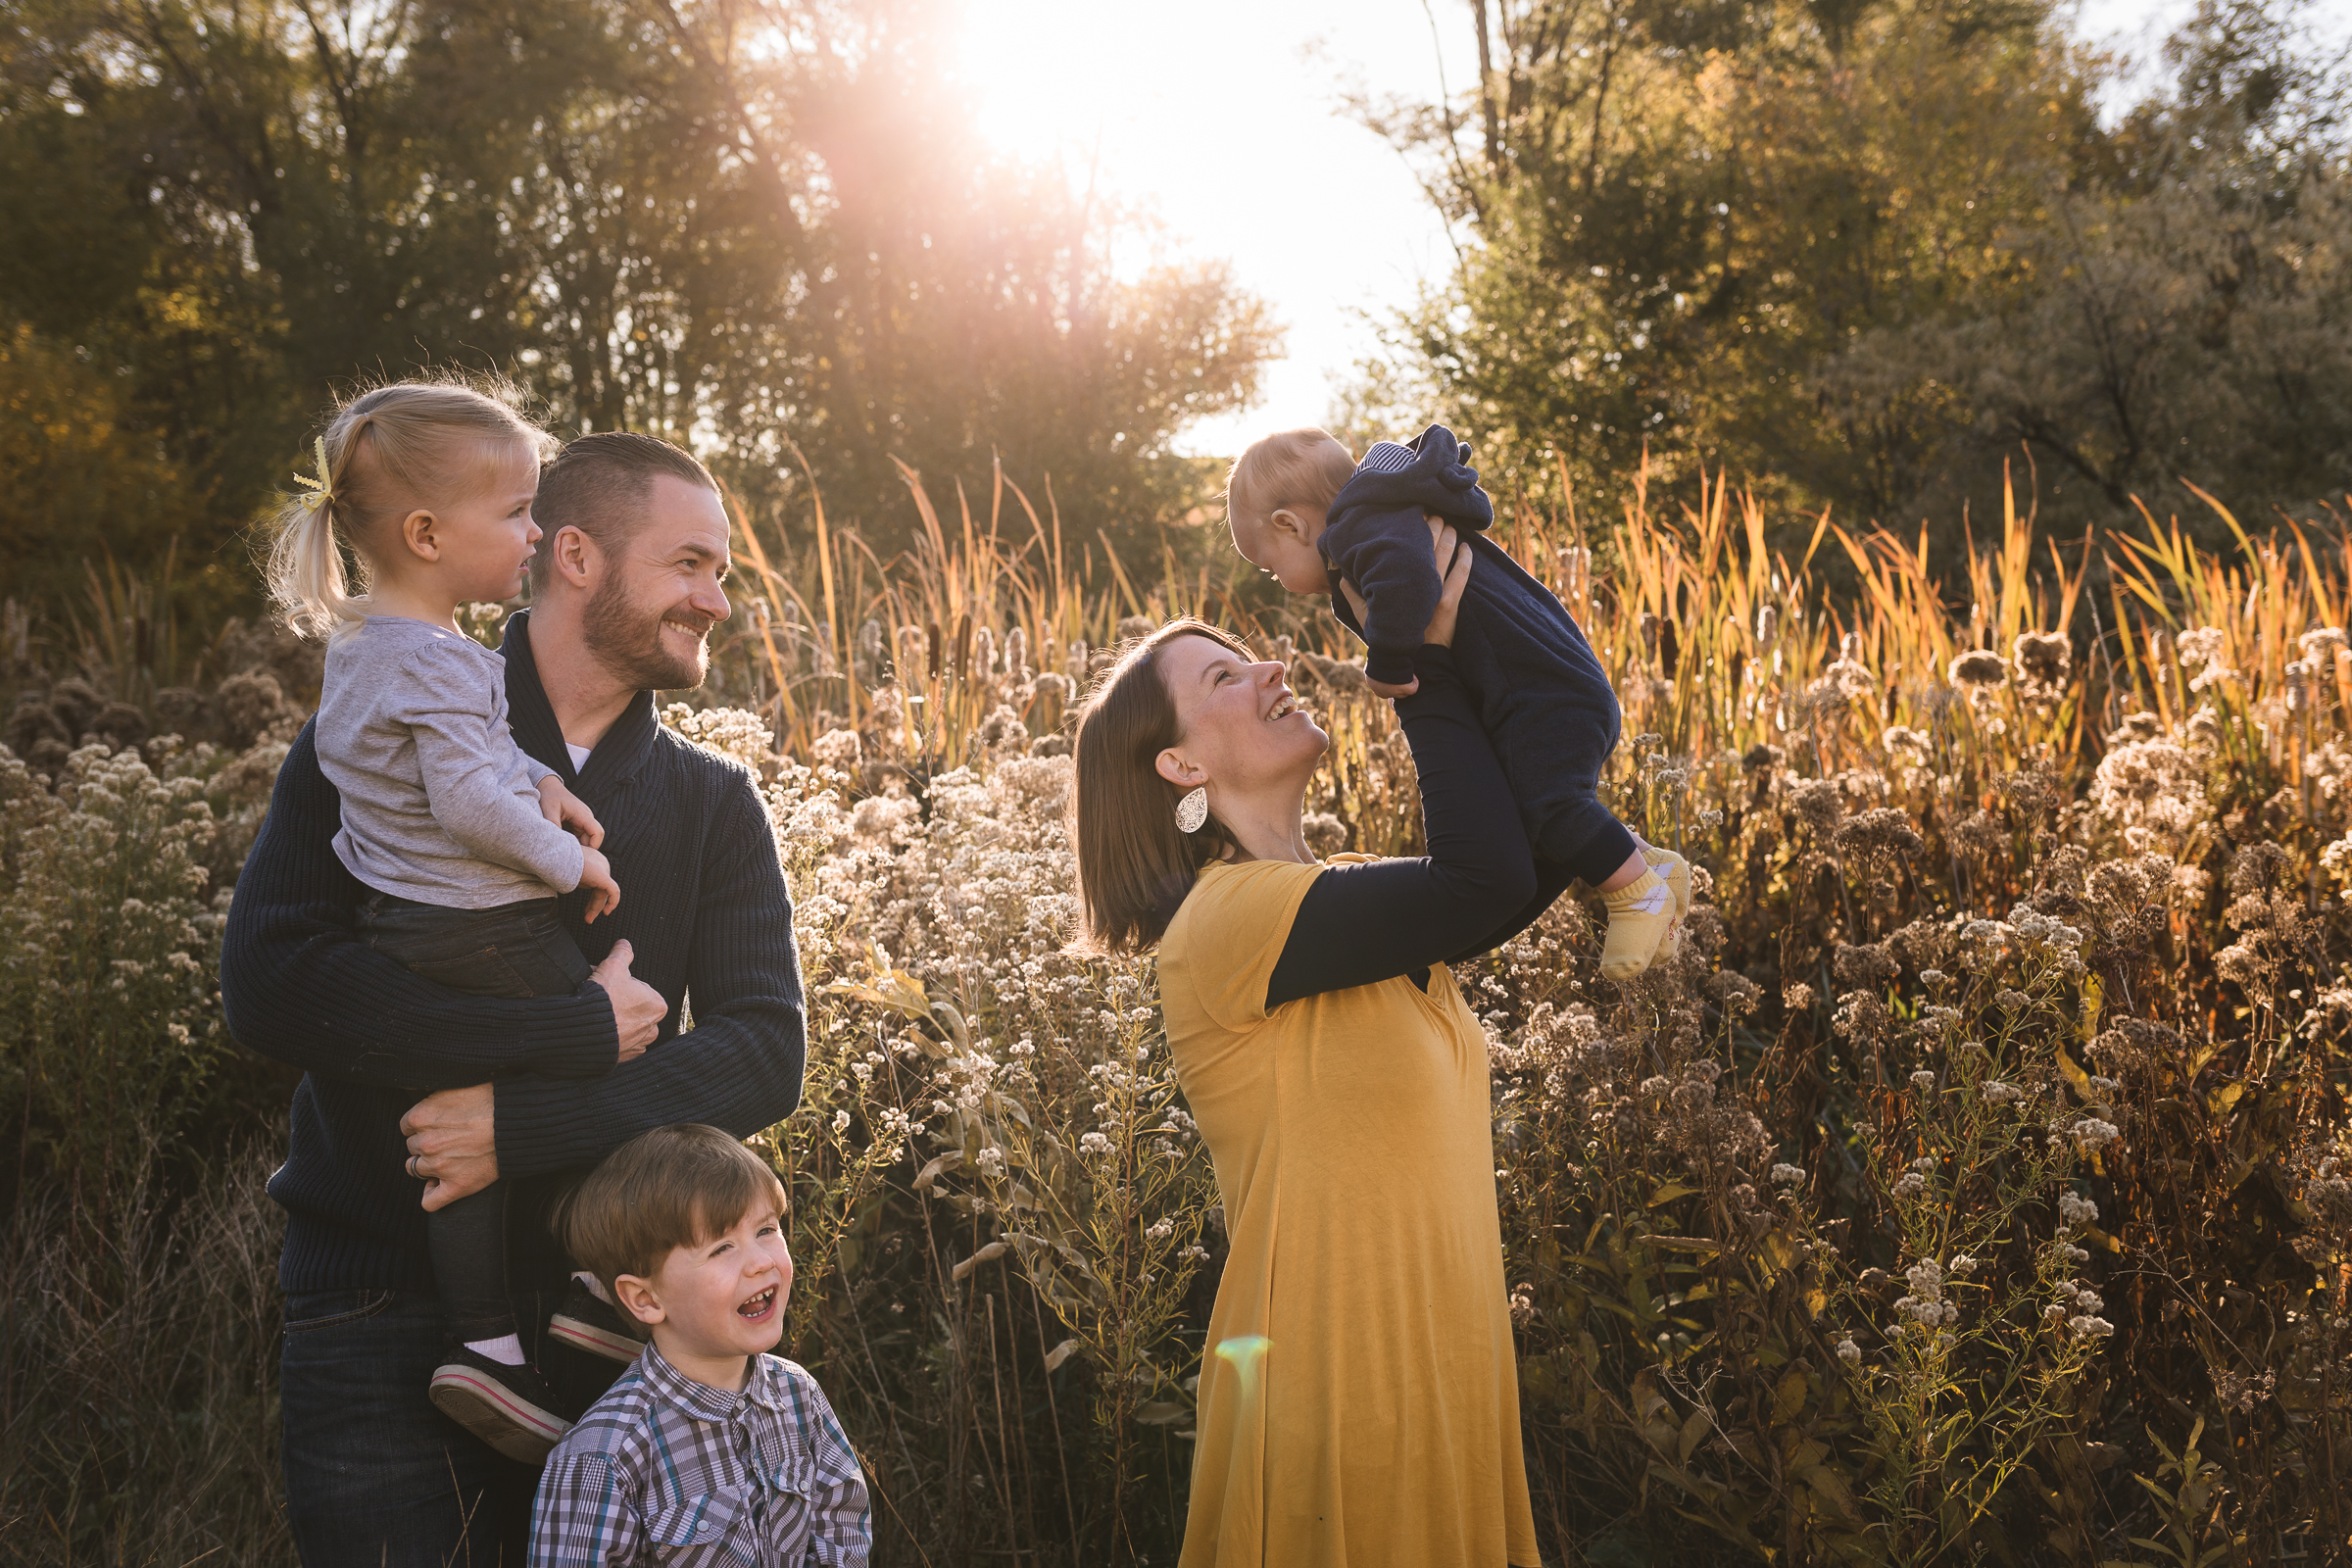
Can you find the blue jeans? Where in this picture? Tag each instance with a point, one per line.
(377, 1477)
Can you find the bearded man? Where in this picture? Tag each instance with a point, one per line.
(625, 588)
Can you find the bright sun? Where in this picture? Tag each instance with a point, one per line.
(1214, 116)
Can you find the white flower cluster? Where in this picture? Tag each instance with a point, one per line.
(1787, 1175)
(2090, 1133)
(1925, 1305)
(2078, 1308)
(2075, 1211)
(2000, 1093)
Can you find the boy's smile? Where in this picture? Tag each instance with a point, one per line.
(719, 1303)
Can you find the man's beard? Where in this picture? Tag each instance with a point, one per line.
(627, 642)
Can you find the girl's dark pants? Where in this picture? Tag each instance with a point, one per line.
(511, 950)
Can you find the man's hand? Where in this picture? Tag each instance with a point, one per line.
(637, 1008)
(453, 1143)
(569, 813)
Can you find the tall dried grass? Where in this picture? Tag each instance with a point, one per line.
(1975, 1187)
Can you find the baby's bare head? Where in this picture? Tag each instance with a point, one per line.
(1293, 468)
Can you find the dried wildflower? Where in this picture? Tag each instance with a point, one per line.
(1787, 1175)
(2075, 1211)
(2319, 645)
(1849, 1352)
(1876, 837)
(1818, 802)
(1999, 1093)
(1963, 1264)
(1935, 977)
(1911, 1184)
(2043, 661)
(1979, 669)
(1925, 1305)
(1796, 996)
(1737, 992)
(1924, 1081)
(2330, 1199)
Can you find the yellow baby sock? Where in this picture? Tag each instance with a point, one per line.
(1641, 914)
(1677, 872)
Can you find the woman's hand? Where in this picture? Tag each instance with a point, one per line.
(1453, 566)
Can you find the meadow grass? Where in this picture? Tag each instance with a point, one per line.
(1974, 1186)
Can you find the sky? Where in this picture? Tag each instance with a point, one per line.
(1225, 118)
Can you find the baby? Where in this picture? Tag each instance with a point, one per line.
(461, 841)
(1304, 510)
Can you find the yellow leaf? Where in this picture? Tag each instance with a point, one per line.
(1789, 1398)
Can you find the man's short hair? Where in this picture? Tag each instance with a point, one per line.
(676, 1186)
(599, 484)
(1293, 468)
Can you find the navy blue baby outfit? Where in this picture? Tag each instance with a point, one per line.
(1541, 695)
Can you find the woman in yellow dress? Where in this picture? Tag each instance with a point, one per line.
(1359, 1395)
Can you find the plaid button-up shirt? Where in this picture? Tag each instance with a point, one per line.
(666, 1470)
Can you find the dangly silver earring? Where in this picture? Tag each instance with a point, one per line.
(1192, 811)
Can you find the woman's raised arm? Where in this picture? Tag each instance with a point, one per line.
(1363, 923)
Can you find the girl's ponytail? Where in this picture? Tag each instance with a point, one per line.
(386, 452)
(307, 579)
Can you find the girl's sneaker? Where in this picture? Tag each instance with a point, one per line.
(586, 1322)
(1640, 919)
(509, 1407)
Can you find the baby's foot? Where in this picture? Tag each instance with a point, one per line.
(1641, 918)
(1677, 872)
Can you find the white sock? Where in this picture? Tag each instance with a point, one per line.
(506, 1350)
(596, 1288)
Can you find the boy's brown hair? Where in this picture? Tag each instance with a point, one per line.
(676, 1186)
(1290, 468)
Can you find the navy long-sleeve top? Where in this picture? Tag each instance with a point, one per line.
(1541, 692)
(704, 906)
(1476, 889)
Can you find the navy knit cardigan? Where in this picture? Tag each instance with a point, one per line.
(702, 903)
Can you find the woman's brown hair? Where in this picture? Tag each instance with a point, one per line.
(1135, 866)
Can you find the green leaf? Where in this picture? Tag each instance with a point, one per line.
(1694, 1432)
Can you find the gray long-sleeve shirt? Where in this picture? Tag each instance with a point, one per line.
(439, 804)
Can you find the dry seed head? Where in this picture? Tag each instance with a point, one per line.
(1979, 669)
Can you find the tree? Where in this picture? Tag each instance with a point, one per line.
(728, 221)
(1862, 252)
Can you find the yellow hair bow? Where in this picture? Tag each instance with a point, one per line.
(323, 486)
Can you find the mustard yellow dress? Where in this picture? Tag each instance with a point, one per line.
(1359, 1401)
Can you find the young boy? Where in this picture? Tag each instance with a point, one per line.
(709, 1448)
(1302, 508)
